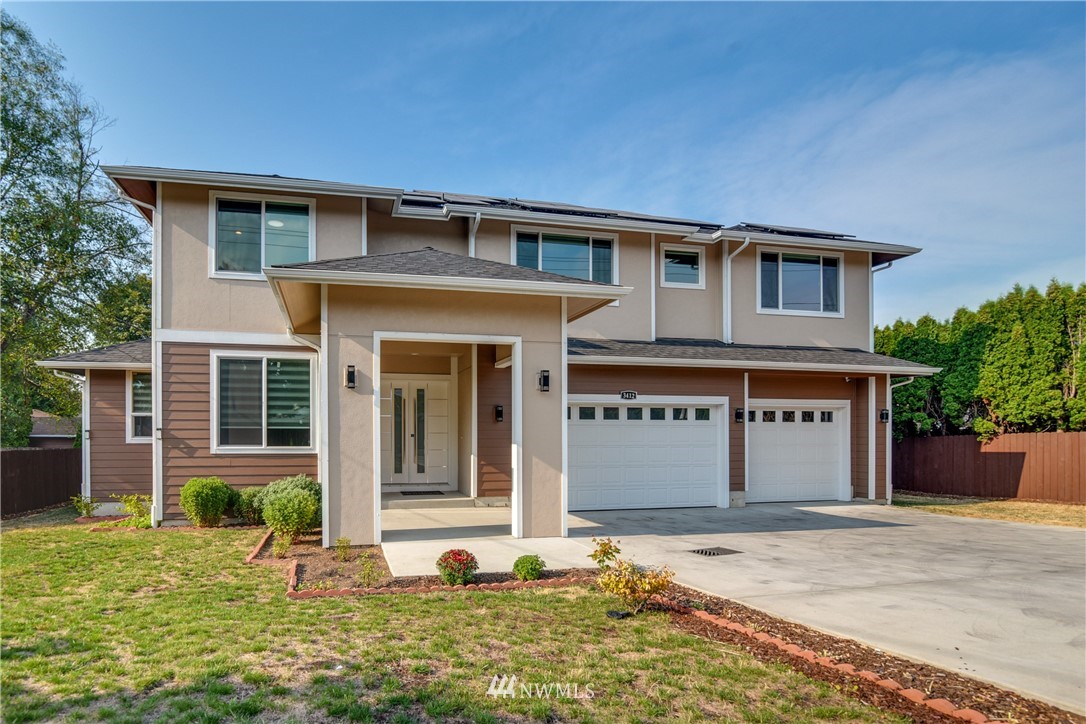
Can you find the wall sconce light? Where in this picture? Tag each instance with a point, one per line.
(499, 413)
(349, 377)
(739, 416)
(884, 416)
(544, 380)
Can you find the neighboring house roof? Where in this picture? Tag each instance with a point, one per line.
(138, 182)
(711, 353)
(126, 355)
(48, 425)
(430, 262)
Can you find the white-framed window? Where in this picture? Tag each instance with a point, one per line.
(682, 266)
(139, 419)
(800, 283)
(263, 402)
(247, 232)
(588, 255)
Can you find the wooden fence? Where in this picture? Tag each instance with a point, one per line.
(1030, 465)
(32, 478)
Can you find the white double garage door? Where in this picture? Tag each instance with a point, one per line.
(673, 453)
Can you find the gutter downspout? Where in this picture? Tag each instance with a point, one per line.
(156, 359)
(889, 433)
(728, 286)
(472, 228)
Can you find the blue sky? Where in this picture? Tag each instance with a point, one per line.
(958, 127)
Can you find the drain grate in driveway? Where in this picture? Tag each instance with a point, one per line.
(711, 552)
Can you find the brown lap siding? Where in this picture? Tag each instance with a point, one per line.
(116, 467)
(186, 429)
(694, 382)
(495, 439)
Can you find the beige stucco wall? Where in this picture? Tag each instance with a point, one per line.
(355, 313)
(852, 330)
(692, 313)
(387, 234)
(630, 318)
(192, 300)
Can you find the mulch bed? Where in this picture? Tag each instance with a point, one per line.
(936, 683)
(313, 568)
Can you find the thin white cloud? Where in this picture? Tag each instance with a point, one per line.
(980, 163)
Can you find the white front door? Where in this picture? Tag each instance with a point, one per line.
(414, 432)
(798, 451)
(649, 455)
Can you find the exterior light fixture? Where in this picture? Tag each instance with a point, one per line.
(349, 377)
(544, 380)
(739, 416)
(884, 416)
(499, 413)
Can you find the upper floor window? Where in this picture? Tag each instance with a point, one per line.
(682, 266)
(799, 283)
(590, 257)
(249, 233)
(263, 402)
(139, 412)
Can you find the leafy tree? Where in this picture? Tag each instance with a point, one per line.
(1014, 365)
(67, 238)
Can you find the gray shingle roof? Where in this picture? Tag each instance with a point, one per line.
(431, 262)
(125, 353)
(713, 350)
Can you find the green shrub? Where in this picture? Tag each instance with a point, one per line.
(529, 568)
(290, 513)
(234, 502)
(343, 549)
(280, 547)
(457, 567)
(248, 506)
(293, 482)
(204, 500)
(85, 505)
(138, 508)
(369, 573)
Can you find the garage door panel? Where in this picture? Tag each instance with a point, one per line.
(637, 461)
(794, 460)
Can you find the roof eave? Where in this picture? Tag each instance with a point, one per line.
(248, 181)
(745, 364)
(896, 251)
(590, 222)
(71, 365)
(415, 281)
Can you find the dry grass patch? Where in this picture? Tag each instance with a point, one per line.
(1018, 511)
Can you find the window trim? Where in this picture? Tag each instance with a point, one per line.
(699, 250)
(213, 242)
(129, 428)
(514, 229)
(264, 356)
(840, 314)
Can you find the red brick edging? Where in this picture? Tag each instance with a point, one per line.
(940, 705)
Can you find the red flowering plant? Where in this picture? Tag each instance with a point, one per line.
(457, 567)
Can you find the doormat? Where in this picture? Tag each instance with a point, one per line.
(421, 492)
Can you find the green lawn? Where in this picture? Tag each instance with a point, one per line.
(171, 626)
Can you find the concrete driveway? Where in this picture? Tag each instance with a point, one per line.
(1004, 602)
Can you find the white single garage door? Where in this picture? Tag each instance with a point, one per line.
(798, 451)
(644, 455)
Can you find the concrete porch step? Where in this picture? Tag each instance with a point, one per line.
(398, 501)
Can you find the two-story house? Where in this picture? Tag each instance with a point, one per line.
(558, 357)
